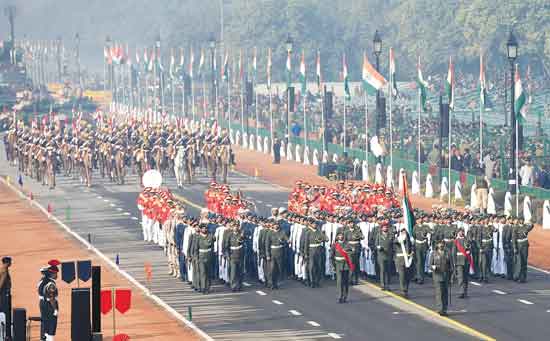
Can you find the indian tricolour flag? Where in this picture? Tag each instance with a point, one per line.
(482, 84)
(303, 74)
(422, 86)
(318, 71)
(450, 84)
(408, 213)
(255, 63)
(519, 99)
(372, 80)
(288, 70)
(225, 67)
(191, 62)
(393, 83)
(346, 78)
(269, 64)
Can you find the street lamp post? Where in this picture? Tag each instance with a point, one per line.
(161, 100)
(377, 46)
(288, 45)
(512, 51)
(214, 99)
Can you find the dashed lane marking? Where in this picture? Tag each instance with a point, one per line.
(106, 200)
(268, 205)
(134, 218)
(126, 213)
(246, 284)
(112, 205)
(295, 312)
(334, 336)
(475, 283)
(499, 292)
(313, 323)
(99, 197)
(277, 302)
(261, 293)
(525, 302)
(119, 209)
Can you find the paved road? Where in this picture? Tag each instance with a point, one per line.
(108, 214)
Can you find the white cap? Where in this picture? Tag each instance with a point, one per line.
(282, 210)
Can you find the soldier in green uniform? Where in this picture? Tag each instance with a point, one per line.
(461, 256)
(403, 252)
(485, 242)
(204, 247)
(473, 236)
(448, 231)
(441, 272)
(262, 253)
(275, 241)
(421, 231)
(338, 253)
(353, 236)
(191, 249)
(233, 248)
(521, 250)
(314, 248)
(507, 230)
(384, 249)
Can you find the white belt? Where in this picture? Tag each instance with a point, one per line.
(420, 241)
(460, 253)
(522, 240)
(276, 246)
(339, 258)
(400, 255)
(354, 242)
(236, 247)
(314, 245)
(486, 240)
(204, 250)
(447, 240)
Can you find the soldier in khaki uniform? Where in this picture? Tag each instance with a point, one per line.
(520, 244)
(338, 253)
(461, 255)
(384, 251)
(314, 247)
(441, 266)
(204, 246)
(275, 241)
(485, 242)
(353, 235)
(233, 248)
(404, 253)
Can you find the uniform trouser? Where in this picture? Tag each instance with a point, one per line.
(342, 283)
(420, 261)
(275, 270)
(5, 307)
(48, 324)
(182, 265)
(315, 266)
(384, 266)
(475, 259)
(441, 295)
(403, 273)
(520, 266)
(485, 258)
(462, 274)
(509, 259)
(196, 274)
(236, 273)
(289, 261)
(204, 274)
(354, 275)
(267, 271)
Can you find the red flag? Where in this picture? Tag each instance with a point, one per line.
(50, 208)
(106, 301)
(121, 337)
(123, 299)
(463, 178)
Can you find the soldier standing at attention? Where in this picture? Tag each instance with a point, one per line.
(341, 262)
(353, 236)
(462, 261)
(521, 251)
(441, 272)
(204, 247)
(5, 292)
(421, 231)
(314, 253)
(234, 248)
(485, 242)
(274, 248)
(403, 251)
(384, 248)
(508, 249)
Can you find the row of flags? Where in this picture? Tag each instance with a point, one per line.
(372, 80)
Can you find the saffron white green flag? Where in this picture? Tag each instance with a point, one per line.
(303, 74)
(519, 99)
(288, 71)
(393, 83)
(346, 78)
(422, 86)
(450, 84)
(372, 80)
(482, 84)
(318, 71)
(269, 68)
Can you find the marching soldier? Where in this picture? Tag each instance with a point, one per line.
(314, 253)
(341, 262)
(520, 244)
(275, 241)
(421, 232)
(384, 247)
(441, 272)
(353, 235)
(507, 230)
(485, 242)
(204, 246)
(462, 257)
(403, 251)
(234, 250)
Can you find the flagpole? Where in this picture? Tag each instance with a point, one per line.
(345, 108)
(366, 131)
(192, 99)
(322, 90)
(418, 123)
(517, 170)
(256, 109)
(242, 105)
(480, 130)
(204, 96)
(271, 118)
(390, 93)
(449, 153)
(173, 95)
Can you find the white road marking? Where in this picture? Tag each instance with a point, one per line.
(259, 201)
(268, 205)
(99, 197)
(261, 293)
(277, 302)
(126, 213)
(334, 336)
(295, 312)
(475, 283)
(548, 311)
(525, 302)
(134, 218)
(499, 292)
(313, 323)
(119, 209)
(112, 205)
(106, 200)
(246, 284)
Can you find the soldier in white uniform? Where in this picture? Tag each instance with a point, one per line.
(218, 252)
(256, 250)
(498, 265)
